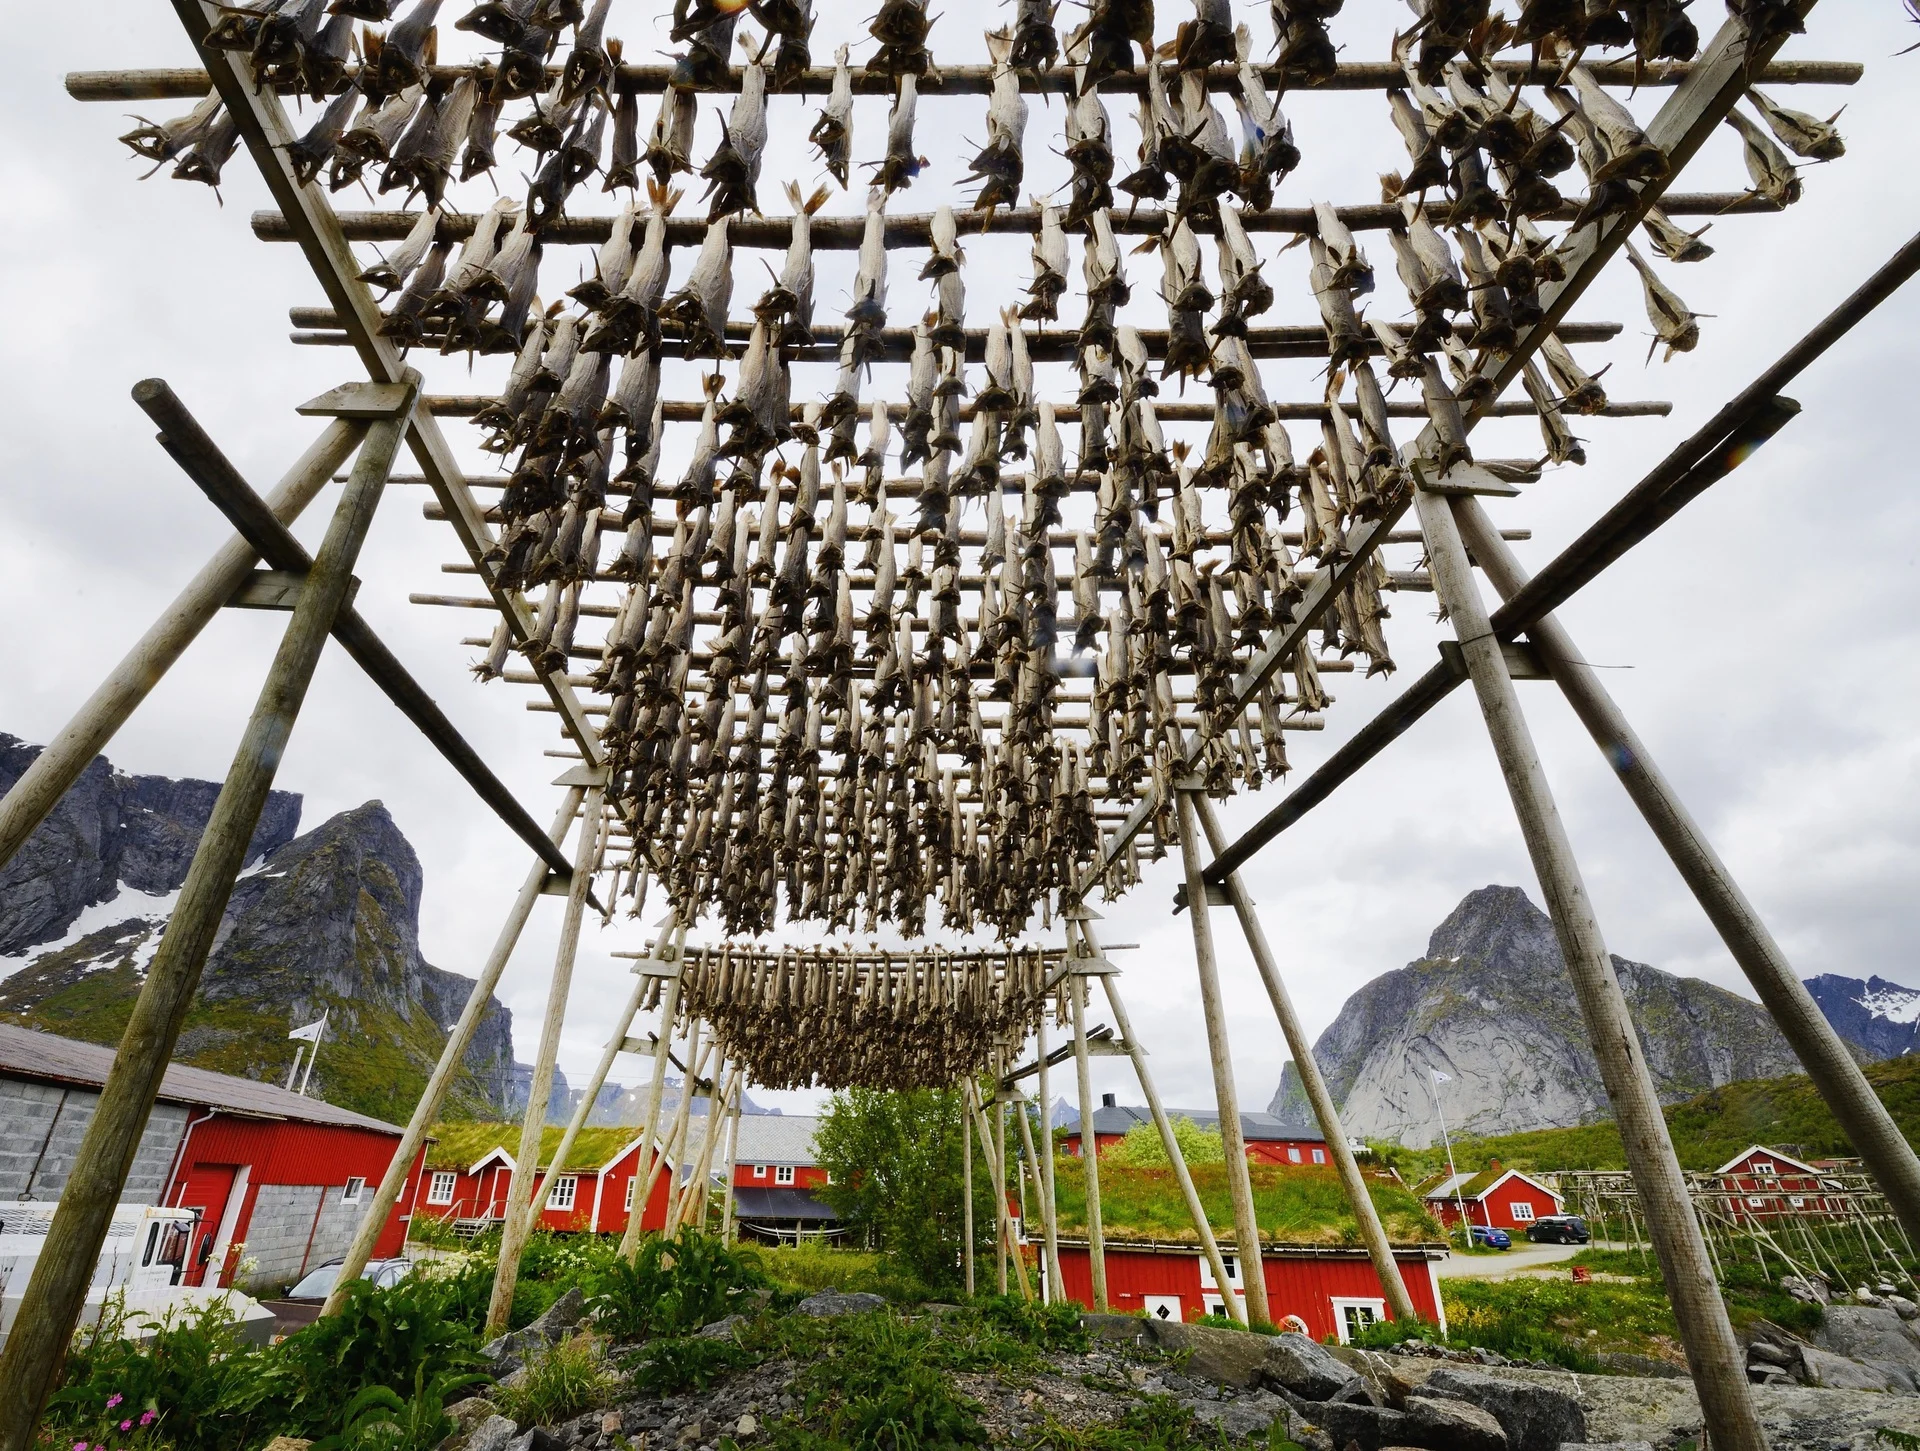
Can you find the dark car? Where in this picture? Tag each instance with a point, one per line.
(1492, 1238)
(1559, 1229)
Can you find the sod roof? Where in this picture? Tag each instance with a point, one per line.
(459, 1145)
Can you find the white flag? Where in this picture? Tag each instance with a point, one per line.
(1438, 1076)
(310, 1033)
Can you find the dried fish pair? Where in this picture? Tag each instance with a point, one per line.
(999, 166)
(732, 173)
(699, 308)
(901, 27)
(833, 130)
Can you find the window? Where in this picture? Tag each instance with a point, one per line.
(1319, 1156)
(1293, 1156)
(153, 1242)
(562, 1196)
(1522, 1211)
(1232, 1264)
(1796, 1201)
(440, 1187)
(1754, 1201)
(1352, 1316)
(630, 1183)
(351, 1193)
(759, 1171)
(783, 1174)
(1761, 1166)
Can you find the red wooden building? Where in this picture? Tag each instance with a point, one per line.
(280, 1180)
(469, 1173)
(1328, 1290)
(1268, 1140)
(1493, 1198)
(1764, 1183)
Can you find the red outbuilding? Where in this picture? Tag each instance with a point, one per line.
(1493, 1198)
(1764, 1183)
(1268, 1140)
(280, 1180)
(469, 1174)
(1328, 1290)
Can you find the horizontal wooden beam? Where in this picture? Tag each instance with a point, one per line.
(188, 83)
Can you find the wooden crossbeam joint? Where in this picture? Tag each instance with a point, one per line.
(278, 589)
(362, 399)
(1523, 661)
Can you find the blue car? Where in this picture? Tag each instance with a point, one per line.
(1492, 1238)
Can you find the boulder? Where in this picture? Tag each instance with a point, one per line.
(1450, 1425)
(561, 1316)
(286, 1443)
(1244, 1417)
(1535, 1418)
(493, 1433)
(1225, 1357)
(1625, 1362)
(1870, 1333)
(1809, 1291)
(1117, 1329)
(724, 1329)
(1307, 1368)
(1371, 1427)
(1834, 1372)
(1903, 1307)
(829, 1303)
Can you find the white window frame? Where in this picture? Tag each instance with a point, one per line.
(1756, 1201)
(351, 1191)
(1763, 1166)
(631, 1182)
(759, 1171)
(783, 1174)
(1797, 1201)
(1234, 1280)
(1376, 1311)
(1521, 1211)
(564, 1189)
(1213, 1304)
(1293, 1154)
(442, 1180)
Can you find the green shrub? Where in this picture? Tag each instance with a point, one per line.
(673, 1286)
(813, 1266)
(665, 1367)
(378, 1420)
(1157, 1423)
(559, 1383)
(1142, 1149)
(400, 1338)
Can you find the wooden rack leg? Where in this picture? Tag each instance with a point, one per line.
(695, 1207)
(518, 1226)
(427, 1112)
(1719, 1374)
(650, 1147)
(1246, 1225)
(1047, 1200)
(1209, 1246)
(1000, 1182)
(1001, 1215)
(57, 1289)
(1049, 1235)
(966, 1194)
(1861, 1115)
(1372, 1233)
(623, 1023)
(697, 1055)
(59, 765)
(733, 1157)
(1089, 1146)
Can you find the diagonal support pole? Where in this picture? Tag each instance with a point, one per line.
(427, 1111)
(1372, 1233)
(667, 952)
(1713, 1355)
(996, 1168)
(1089, 1141)
(59, 765)
(1048, 1228)
(50, 1309)
(1848, 1095)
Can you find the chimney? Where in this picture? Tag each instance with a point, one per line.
(1106, 1101)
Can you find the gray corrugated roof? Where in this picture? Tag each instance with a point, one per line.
(25, 1053)
(765, 1138)
(1255, 1127)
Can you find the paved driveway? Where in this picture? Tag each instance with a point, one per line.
(1524, 1256)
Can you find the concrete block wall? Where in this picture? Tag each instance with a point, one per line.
(41, 1126)
(284, 1226)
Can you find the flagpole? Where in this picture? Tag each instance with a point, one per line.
(1453, 1174)
(299, 1056)
(314, 1056)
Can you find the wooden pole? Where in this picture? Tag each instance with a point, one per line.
(656, 1090)
(1209, 1245)
(697, 1054)
(622, 1022)
(733, 1158)
(519, 1223)
(1372, 1232)
(1719, 1374)
(1003, 1218)
(1089, 1145)
(60, 763)
(1246, 1226)
(694, 1207)
(999, 1152)
(1848, 1095)
(427, 1111)
(1050, 1237)
(966, 1195)
(57, 1289)
(1047, 1200)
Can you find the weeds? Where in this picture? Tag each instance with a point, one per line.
(559, 1383)
(666, 1367)
(673, 1286)
(1157, 1423)
(378, 1420)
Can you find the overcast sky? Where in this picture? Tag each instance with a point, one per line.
(1762, 642)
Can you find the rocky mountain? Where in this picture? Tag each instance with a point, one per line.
(327, 922)
(1491, 1007)
(1880, 1018)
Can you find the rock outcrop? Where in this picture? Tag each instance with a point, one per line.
(1880, 1018)
(1491, 1007)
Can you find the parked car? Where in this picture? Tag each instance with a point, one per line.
(300, 1306)
(1492, 1238)
(1559, 1229)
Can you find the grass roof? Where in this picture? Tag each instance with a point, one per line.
(1293, 1205)
(458, 1145)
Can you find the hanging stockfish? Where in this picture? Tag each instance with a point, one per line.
(476, 153)
(402, 322)
(670, 143)
(1306, 55)
(1049, 269)
(833, 130)
(1345, 341)
(307, 156)
(732, 173)
(590, 64)
(1673, 323)
(402, 52)
(1160, 132)
(708, 25)
(1562, 446)
(1351, 269)
(999, 165)
(623, 165)
(1803, 135)
(1774, 177)
(900, 166)
(1631, 155)
(1580, 392)
(1267, 149)
(1426, 267)
(901, 28)
(868, 315)
(700, 307)
(1200, 155)
(612, 264)
(1674, 242)
(789, 302)
(1493, 320)
(792, 22)
(371, 136)
(392, 272)
(422, 158)
(1036, 45)
(630, 318)
(1107, 38)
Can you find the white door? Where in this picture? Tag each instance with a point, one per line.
(1163, 1307)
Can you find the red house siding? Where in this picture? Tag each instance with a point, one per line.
(1495, 1209)
(805, 1176)
(1259, 1151)
(1766, 1192)
(599, 1197)
(1302, 1284)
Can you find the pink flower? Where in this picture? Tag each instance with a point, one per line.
(126, 1425)
(146, 1418)
(79, 1446)
(114, 1400)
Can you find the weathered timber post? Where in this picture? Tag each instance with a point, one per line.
(519, 1225)
(1844, 1088)
(60, 763)
(56, 1292)
(1046, 1163)
(1049, 1233)
(697, 1054)
(966, 1195)
(1372, 1233)
(427, 1111)
(1719, 1372)
(1089, 1142)
(1246, 1225)
(666, 963)
(998, 1148)
(733, 1158)
(1002, 1218)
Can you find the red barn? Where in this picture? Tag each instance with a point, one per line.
(1268, 1140)
(280, 1180)
(1493, 1198)
(1764, 1183)
(1328, 1290)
